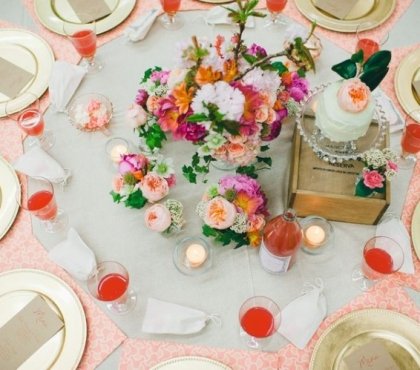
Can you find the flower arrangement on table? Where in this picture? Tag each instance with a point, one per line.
(166, 218)
(225, 97)
(380, 166)
(234, 211)
(142, 179)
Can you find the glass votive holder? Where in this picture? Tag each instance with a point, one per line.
(192, 255)
(317, 234)
(115, 147)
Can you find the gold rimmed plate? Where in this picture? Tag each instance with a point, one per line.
(9, 196)
(53, 13)
(190, 363)
(65, 349)
(396, 332)
(374, 11)
(216, 1)
(415, 230)
(407, 71)
(31, 53)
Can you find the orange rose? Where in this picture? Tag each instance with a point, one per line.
(219, 213)
(152, 103)
(154, 187)
(235, 150)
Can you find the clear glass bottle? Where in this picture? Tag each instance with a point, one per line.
(282, 238)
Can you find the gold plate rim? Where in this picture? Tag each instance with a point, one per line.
(195, 360)
(404, 75)
(415, 236)
(46, 15)
(308, 10)
(28, 280)
(314, 365)
(216, 1)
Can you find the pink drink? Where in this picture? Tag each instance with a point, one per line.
(258, 322)
(368, 46)
(112, 287)
(31, 122)
(170, 6)
(410, 140)
(276, 6)
(85, 42)
(42, 204)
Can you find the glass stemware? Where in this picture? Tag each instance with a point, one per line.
(31, 122)
(259, 319)
(410, 140)
(169, 19)
(83, 37)
(275, 7)
(109, 282)
(369, 41)
(382, 256)
(41, 203)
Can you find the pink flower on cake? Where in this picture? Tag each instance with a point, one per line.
(373, 179)
(157, 218)
(353, 95)
(219, 213)
(154, 187)
(136, 116)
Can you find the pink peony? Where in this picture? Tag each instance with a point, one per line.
(132, 163)
(154, 187)
(136, 116)
(157, 218)
(219, 213)
(373, 179)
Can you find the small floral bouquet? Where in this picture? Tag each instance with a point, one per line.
(225, 97)
(165, 218)
(142, 179)
(234, 211)
(380, 166)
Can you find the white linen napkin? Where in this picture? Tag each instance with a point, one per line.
(73, 255)
(36, 162)
(65, 78)
(394, 228)
(302, 317)
(219, 15)
(138, 30)
(169, 318)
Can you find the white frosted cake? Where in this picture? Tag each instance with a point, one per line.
(345, 110)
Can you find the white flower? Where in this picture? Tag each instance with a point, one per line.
(176, 76)
(268, 81)
(164, 167)
(213, 60)
(240, 224)
(200, 209)
(215, 140)
(203, 150)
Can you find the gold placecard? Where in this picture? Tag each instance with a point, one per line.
(337, 8)
(88, 11)
(12, 78)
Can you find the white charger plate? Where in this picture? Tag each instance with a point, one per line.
(65, 349)
(32, 53)
(190, 363)
(9, 196)
(54, 13)
(415, 230)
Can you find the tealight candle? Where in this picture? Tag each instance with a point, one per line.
(117, 151)
(195, 255)
(314, 236)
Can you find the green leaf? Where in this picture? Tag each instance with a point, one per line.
(208, 231)
(346, 69)
(264, 148)
(251, 59)
(357, 57)
(373, 77)
(115, 196)
(279, 67)
(154, 136)
(195, 159)
(380, 59)
(301, 72)
(362, 190)
(189, 174)
(148, 73)
(247, 170)
(198, 117)
(267, 160)
(231, 126)
(135, 200)
(306, 55)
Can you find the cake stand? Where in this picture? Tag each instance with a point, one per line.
(337, 151)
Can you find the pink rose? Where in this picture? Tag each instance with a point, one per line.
(353, 95)
(392, 166)
(373, 179)
(262, 114)
(235, 150)
(152, 103)
(154, 187)
(219, 213)
(157, 218)
(255, 223)
(117, 183)
(136, 116)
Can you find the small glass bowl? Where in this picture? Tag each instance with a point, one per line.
(325, 225)
(180, 256)
(115, 147)
(90, 112)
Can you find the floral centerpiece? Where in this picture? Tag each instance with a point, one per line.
(225, 97)
(379, 166)
(142, 179)
(234, 211)
(166, 218)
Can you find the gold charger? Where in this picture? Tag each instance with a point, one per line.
(216, 1)
(53, 13)
(415, 230)
(398, 333)
(404, 76)
(375, 11)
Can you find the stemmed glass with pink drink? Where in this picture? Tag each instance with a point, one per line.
(275, 7)
(410, 140)
(83, 37)
(382, 256)
(169, 20)
(109, 282)
(41, 203)
(368, 40)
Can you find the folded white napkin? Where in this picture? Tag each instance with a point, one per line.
(36, 162)
(140, 27)
(73, 255)
(393, 228)
(219, 15)
(170, 318)
(302, 317)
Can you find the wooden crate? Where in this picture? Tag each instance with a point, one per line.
(320, 188)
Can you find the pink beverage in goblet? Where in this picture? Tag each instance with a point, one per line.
(109, 282)
(171, 6)
(367, 40)
(169, 19)
(368, 46)
(43, 205)
(410, 141)
(259, 318)
(31, 121)
(275, 7)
